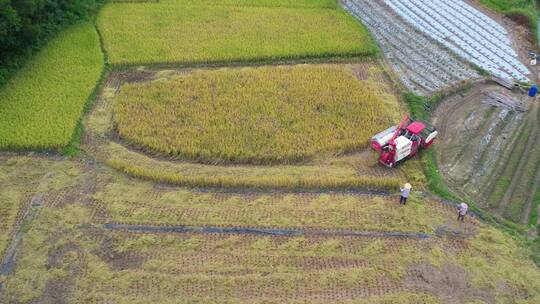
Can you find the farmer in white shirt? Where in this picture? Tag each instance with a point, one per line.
(462, 210)
(405, 191)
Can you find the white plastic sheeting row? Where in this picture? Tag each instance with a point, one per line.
(466, 31)
(424, 65)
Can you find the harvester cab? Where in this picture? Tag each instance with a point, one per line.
(398, 143)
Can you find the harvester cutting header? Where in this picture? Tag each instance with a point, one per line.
(398, 143)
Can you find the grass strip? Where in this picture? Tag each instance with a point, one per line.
(522, 11)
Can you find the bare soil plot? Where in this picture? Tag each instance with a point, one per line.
(499, 165)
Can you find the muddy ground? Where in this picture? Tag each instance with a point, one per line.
(490, 154)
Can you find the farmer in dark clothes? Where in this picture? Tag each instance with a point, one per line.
(405, 191)
(462, 210)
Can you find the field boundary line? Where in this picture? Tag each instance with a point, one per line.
(247, 63)
(297, 191)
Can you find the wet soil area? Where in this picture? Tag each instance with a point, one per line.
(484, 151)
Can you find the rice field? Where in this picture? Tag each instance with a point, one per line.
(139, 203)
(42, 104)
(68, 255)
(262, 115)
(353, 171)
(169, 33)
(262, 3)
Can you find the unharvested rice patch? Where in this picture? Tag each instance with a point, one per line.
(253, 115)
(192, 34)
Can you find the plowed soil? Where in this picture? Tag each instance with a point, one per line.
(490, 154)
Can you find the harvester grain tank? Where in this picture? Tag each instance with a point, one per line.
(399, 143)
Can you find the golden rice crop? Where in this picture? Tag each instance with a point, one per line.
(157, 33)
(252, 115)
(282, 181)
(265, 3)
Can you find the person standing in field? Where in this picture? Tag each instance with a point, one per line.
(405, 191)
(462, 210)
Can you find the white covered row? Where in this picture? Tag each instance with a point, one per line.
(423, 65)
(466, 31)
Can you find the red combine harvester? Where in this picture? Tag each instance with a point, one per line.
(398, 143)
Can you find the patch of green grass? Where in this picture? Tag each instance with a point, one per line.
(419, 106)
(522, 11)
(534, 211)
(501, 186)
(264, 115)
(42, 104)
(160, 33)
(435, 180)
